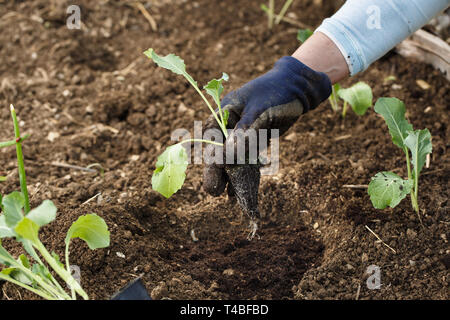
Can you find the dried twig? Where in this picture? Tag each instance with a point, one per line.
(358, 291)
(380, 239)
(4, 293)
(147, 15)
(294, 22)
(342, 137)
(69, 166)
(323, 157)
(355, 186)
(89, 200)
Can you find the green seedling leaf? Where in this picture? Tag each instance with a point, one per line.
(28, 229)
(215, 88)
(334, 97)
(359, 96)
(90, 228)
(5, 231)
(13, 204)
(57, 259)
(27, 245)
(176, 65)
(304, 34)
(393, 111)
(44, 214)
(5, 258)
(226, 115)
(388, 189)
(42, 271)
(7, 271)
(419, 142)
(170, 62)
(19, 275)
(24, 261)
(2, 179)
(170, 171)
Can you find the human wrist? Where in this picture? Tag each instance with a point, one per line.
(321, 54)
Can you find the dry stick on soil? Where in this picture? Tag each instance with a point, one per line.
(286, 6)
(4, 293)
(380, 239)
(358, 291)
(90, 199)
(342, 137)
(270, 14)
(147, 15)
(69, 166)
(355, 186)
(295, 22)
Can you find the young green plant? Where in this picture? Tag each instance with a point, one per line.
(387, 188)
(171, 165)
(19, 222)
(359, 96)
(270, 11)
(304, 34)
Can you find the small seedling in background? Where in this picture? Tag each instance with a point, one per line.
(387, 188)
(334, 98)
(359, 97)
(304, 34)
(19, 222)
(100, 168)
(270, 11)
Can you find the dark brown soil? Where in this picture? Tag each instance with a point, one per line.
(104, 102)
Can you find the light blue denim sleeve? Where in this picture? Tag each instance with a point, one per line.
(364, 30)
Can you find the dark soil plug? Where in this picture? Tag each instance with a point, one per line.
(245, 182)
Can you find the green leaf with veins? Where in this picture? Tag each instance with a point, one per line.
(13, 204)
(388, 189)
(393, 111)
(171, 62)
(419, 142)
(359, 96)
(304, 34)
(170, 171)
(176, 65)
(43, 214)
(28, 229)
(215, 88)
(24, 261)
(90, 228)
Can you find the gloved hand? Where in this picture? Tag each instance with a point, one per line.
(274, 100)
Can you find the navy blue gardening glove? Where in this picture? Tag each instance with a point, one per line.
(274, 100)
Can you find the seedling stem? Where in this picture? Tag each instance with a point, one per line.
(22, 176)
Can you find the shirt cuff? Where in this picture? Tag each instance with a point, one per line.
(346, 43)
